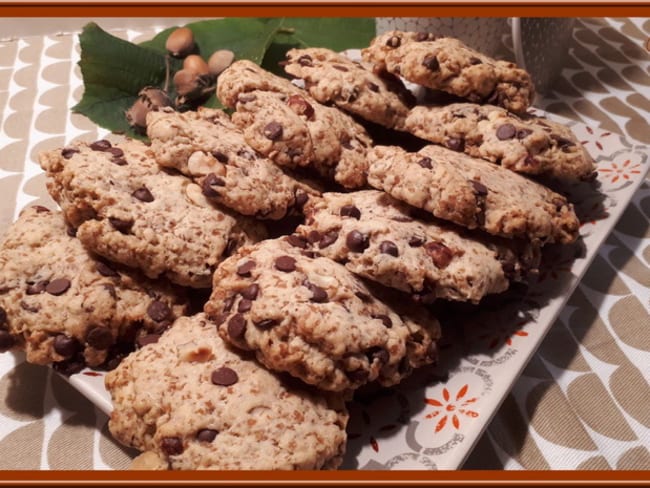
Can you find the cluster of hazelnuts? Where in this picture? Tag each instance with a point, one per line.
(192, 82)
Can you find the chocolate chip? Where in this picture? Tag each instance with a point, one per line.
(172, 446)
(36, 288)
(105, 270)
(67, 153)
(305, 60)
(7, 341)
(393, 41)
(245, 269)
(266, 324)
(58, 286)
(402, 218)
(379, 354)
(313, 236)
(70, 366)
(111, 290)
(300, 106)
(123, 226)
(389, 247)
(297, 240)
(356, 241)
(228, 303)
(158, 311)
(285, 263)
(247, 154)
(421, 36)
(119, 161)
(209, 182)
(425, 162)
(328, 239)
(431, 62)
(416, 241)
(301, 198)
(273, 131)
(3, 316)
(219, 156)
(372, 86)
(116, 152)
(71, 231)
(40, 208)
(479, 188)
(147, 339)
(251, 292)
(236, 326)
(506, 131)
(244, 305)
(456, 144)
(319, 295)
(364, 297)
(99, 338)
(385, 319)
(562, 142)
(523, 133)
(65, 346)
(143, 194)
(474, 60)
(440, 254)
(101, 145)
(350, 211)
(224, 376)
(340, 68)
(206, 435)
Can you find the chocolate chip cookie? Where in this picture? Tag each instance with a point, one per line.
(209, 148)
(379, 238)
(63, 305)
(311, 317)
(133, 212)
(528, 144)
(285, 124)
(447, 64)
(473, 193)
(191, 403)
(332, 78)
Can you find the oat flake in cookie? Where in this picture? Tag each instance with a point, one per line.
(379, 238)
(189, 402)
(311, 317)
(131, 211)
(62, 305)
(473, 193)
(527, 144)
(206, 146)
(332, 78)
(449, 65)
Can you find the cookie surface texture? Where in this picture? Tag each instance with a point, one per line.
(192, 403)
(449, 65)
(473, 193)
(133, 212)
(311, 317)
(428, 258)
(60, 304)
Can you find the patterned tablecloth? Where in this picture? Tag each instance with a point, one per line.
(581, 403)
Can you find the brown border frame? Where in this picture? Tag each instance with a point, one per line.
(28, 8)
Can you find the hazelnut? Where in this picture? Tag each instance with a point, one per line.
(180, 42)
(186, 82)
(196, 64)
(219, 61)
(136, 116)
(149, 99)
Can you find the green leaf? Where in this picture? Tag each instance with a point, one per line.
(114, 71)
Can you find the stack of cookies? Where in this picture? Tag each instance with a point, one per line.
(244, 272)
